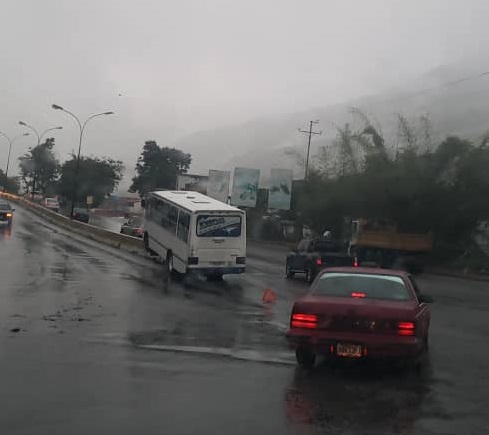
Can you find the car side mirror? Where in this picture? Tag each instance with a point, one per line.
(13, 209)
(426, 299)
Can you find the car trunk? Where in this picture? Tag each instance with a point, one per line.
(357, 314)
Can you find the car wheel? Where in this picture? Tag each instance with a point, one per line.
(306, 359)
(289, 273)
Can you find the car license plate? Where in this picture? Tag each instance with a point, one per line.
(217, 263)
(349, 350)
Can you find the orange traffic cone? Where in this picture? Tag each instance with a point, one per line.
(269, 296)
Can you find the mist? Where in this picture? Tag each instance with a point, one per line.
(170, 69)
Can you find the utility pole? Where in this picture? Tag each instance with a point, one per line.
(310, 133)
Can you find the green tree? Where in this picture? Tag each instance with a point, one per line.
(9, 184)
(97, 177)
(39, 168)
(158, 167)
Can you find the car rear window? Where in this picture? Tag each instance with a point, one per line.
(366, 285)
(4, 206)
(136, 221)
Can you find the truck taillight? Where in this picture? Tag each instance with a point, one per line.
(308, 321)
(319, 261)
(406, 328)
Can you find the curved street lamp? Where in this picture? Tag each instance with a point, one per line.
(82, 129)
(39, 136)
(11, 142)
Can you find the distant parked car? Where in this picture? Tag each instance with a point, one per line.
(133, 227)
(52, 204)
(81, 214)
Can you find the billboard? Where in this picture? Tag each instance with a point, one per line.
(245, 187)
(195, 183)
(218, 185)
(280, 189)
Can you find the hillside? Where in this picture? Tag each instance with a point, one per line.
(460, 108)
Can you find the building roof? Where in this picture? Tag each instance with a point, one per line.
(195, 201)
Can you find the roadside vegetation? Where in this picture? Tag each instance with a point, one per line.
(421, 185)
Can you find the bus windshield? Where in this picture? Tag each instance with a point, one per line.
(218, 226)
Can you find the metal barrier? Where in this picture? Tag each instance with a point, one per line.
(119, 241)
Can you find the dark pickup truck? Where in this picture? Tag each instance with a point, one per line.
(313, 255)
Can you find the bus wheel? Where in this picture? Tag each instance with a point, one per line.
(170, 268)
(169, 264)
(146, 244)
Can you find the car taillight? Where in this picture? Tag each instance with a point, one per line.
(139, 231)
(240, 260)
(319, 261)
(358, 295)
(308, 321)
(406, 328)
(355, 262)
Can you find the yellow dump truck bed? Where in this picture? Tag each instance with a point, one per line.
(395, 241)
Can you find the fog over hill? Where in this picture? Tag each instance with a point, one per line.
(455, 97)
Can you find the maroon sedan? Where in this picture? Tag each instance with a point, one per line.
(360, 313)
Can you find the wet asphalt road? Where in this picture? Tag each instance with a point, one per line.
(95, 341)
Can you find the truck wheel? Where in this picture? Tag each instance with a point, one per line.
(305, 358)
(289, 273)
(310, 275)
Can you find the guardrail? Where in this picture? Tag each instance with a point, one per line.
(119, 241)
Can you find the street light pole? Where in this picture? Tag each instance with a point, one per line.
(82, 129)
(310, 133)
(10, 143)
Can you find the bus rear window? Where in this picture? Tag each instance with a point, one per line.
(218, 226)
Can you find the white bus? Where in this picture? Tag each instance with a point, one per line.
(195, 233)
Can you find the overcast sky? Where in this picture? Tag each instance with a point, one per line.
(186, 65)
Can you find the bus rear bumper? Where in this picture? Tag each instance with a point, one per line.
(210, 271)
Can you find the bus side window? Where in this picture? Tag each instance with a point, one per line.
(183, 226)
(169, 217)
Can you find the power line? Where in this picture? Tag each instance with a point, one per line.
(435, 88)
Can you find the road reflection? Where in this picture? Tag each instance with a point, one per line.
(357, 399)
(5, 232)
